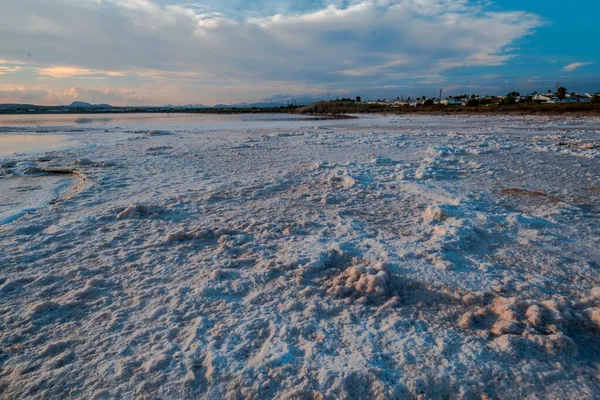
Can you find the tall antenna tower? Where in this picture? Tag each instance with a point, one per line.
(441, 90)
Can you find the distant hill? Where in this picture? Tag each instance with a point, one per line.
(250, 105)
(80, 107)
(81, 104)
(229, 106)
(16, 106)
(187, 106)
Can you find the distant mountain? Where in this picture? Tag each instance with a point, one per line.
(81, 104)
(264, 104)
(251, 105)
(186, 106)
(294, 99)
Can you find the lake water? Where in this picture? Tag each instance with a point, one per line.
(13, 144)
(39, 133)
(85, 121)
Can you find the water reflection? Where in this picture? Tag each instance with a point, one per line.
(94, 120)
(10, 144)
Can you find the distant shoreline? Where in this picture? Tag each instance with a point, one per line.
(501, 111)
(333, 110)
(525, 109)
(39, 110)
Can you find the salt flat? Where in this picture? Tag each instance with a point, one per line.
(379, 257)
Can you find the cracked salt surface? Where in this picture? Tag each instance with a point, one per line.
(381, 257)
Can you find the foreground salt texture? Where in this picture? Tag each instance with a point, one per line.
(384, 257)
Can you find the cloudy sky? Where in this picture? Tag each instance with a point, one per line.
(155, 52)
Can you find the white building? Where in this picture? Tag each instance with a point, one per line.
(451, 102)
(569, 98)
(546, 98)
(578, 98)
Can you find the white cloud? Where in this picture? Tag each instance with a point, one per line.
(71, 72)
(39, 95)
(7, 67)
(22, 95)
(386, 67)
(431, 79)
(6, 70)
(572, 67)
(97, 95)
(336, 45)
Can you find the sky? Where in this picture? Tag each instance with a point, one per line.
(157, 52)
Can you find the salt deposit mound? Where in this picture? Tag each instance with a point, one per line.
(384, 257)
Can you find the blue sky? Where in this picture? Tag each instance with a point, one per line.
(153, 52)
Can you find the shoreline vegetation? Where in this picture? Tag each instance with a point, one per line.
(332, 108)
(350, 107)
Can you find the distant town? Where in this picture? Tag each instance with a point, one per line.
(561, 95)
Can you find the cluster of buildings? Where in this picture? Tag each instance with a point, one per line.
(463, 100)
(551, 98)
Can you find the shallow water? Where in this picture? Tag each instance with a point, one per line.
(85, 121)
(11, 144)
(37, 133)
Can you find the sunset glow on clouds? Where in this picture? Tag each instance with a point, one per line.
(71, 72)
(158, 52)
